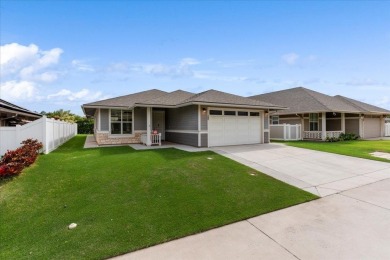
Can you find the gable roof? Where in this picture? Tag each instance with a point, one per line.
(158, 98)
(303, 100)
(128, 100)
(8, 107)
(169, 99)
(222, 98)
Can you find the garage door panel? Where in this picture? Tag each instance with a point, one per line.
(234, 130)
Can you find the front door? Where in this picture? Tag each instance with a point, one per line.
(158, 119)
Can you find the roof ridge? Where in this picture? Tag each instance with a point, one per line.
(310, 94)
(347, 100)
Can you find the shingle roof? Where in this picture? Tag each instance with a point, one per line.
(179, 98)
(128, 100)
(219, 97)
(363, 106)
(303, 100)
(7, 106)
(169, 99)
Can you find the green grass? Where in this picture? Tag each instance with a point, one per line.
(124, 200)
(361, 149)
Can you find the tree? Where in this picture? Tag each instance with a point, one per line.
(84, 125)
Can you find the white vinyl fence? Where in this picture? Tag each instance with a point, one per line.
(387, 129)
(52, 133)
(285, 132)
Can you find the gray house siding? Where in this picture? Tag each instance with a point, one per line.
(204, 140)
(333, 124)
(183, 118)
(104, 123)
(352, 126)
(266, 137)
(182, 138)
(140, 118)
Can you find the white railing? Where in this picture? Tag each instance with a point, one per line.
(318, 134)
(285, 132)
(154, 138)
(52, 133)
(387, 129)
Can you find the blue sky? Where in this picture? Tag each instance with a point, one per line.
(62, 54)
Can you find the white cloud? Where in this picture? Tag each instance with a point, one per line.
(82, 95)
(18, 90)
(82, 65)
(290, 58)
(182, 69)
(29, 62)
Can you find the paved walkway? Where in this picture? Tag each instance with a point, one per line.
(317, 172)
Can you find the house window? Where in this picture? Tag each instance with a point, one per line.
(254, 114)
(121, 121)
(274, 120)
(313, 121)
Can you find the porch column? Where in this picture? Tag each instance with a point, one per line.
(302, 126)
(148, 125)
(361, 126)
(382, 126)
(323, 120)
(343, 122)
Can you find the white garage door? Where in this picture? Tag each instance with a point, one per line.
(372, 127)
(231, 127)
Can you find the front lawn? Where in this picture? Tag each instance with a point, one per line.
(361, 148)
(124, 200)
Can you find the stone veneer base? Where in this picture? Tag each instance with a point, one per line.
(104, 138)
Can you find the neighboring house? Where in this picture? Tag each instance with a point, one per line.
(324, 116)
(210, 118)
(12, 115)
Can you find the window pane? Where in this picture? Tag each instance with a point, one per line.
(115, 115)
(216, 112)
(230, 113)
(242, 113)
(127, 128)
(127, 115)
(254, 114)
(115, 128)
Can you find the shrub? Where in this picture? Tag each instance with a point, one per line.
(13, 162)
(85, 126)
(348, 137)
(343, 137)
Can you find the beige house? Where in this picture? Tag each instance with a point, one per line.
(210, 118)
(12, 115)
(324, 116)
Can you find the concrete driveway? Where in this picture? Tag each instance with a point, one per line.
(317, 172)
(351, 222)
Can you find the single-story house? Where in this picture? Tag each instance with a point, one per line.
(12, 115)
(210, 118)
(324, 116)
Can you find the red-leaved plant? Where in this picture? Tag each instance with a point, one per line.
(13, 162)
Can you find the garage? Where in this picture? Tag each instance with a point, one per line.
(372, 127)
(234, 127)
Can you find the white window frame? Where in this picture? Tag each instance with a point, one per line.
(314, 121)
(132, 122)
(272, 120)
